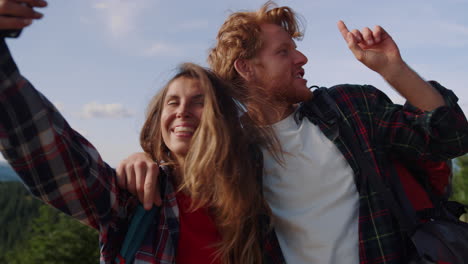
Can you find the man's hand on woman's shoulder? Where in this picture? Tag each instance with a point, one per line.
(138, 174)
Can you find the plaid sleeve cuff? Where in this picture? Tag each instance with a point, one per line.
(446, 123)
(451, 100)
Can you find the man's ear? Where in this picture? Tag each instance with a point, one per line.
(244, 69)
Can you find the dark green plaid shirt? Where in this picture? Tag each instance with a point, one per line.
(384, 129)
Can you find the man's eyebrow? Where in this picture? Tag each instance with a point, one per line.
(286, 45)
(283, 45)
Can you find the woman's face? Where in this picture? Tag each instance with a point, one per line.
(181, 114)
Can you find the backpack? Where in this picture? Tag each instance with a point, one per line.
(139, 225)
(428, 185)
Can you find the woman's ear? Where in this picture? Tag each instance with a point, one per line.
(244, 69)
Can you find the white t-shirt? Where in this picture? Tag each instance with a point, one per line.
(313, 198)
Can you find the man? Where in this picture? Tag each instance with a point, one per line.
(324, 208)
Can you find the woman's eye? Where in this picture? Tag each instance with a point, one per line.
(171, 102)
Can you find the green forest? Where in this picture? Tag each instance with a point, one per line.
(34, 233)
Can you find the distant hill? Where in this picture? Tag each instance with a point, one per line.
(7, 173)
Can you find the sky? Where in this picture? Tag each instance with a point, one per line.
(101, 61)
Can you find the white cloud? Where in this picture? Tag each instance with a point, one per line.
(97, 110)
(121, 17)
(161, 48)
(101, 5)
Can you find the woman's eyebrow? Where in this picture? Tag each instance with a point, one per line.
(171, 97)
(198, 96)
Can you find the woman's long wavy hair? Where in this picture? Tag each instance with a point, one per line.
(219, 171)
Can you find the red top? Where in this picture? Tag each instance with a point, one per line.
(197, 234)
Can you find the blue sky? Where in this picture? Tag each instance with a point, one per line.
(100, 61)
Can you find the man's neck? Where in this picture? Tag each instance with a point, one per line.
(273, 113)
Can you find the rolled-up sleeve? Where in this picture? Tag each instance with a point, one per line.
(439, 134)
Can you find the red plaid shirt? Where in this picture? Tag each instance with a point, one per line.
(63, 169)
(383, 130)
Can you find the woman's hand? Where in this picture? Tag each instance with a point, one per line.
(139, 175)
(17, 14)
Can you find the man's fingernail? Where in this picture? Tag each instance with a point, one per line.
(27, 21)
(38, 15)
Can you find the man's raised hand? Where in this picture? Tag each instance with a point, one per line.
(374, 48)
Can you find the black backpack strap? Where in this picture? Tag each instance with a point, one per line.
(407, 224)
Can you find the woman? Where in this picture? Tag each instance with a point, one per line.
(193, 126)
(208, 167)
(212, 209)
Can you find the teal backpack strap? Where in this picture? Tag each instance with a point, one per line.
(136, 232)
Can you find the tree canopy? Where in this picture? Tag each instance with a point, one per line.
(38, 233)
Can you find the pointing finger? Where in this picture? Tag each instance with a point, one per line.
(343, 29)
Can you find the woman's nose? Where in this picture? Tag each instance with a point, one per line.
(183, 111)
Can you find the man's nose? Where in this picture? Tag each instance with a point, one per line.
(301, 58)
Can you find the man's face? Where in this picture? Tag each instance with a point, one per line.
(277, 67)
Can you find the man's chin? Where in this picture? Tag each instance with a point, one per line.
(301, 96)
